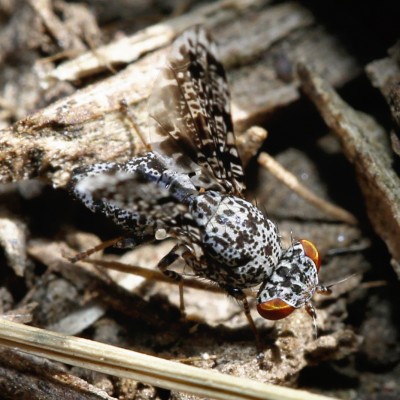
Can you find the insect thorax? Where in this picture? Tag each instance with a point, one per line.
(240, 245)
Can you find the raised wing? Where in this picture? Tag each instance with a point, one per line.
(190, 106)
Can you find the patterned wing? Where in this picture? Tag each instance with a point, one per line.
(190, 106)
(143, 196)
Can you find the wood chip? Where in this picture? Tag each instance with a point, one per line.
(365, 144)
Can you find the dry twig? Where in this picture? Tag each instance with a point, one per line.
(293, 183)
(129, 364)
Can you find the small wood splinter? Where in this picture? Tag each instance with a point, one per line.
(293, 183)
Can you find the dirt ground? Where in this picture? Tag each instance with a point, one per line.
(299, 70)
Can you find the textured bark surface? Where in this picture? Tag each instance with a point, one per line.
(366, 145)
(385, 75)
(259, 45)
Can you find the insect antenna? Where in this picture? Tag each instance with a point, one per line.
(326, 289)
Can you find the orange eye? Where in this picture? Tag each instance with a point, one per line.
(274, 309)
(311, 252)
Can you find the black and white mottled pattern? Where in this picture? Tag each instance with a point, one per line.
(190, 186)
(190, 107)
(294, 280)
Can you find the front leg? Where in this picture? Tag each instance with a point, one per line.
(120, 242)
(239, 295)
(177, 251)
(103, 245)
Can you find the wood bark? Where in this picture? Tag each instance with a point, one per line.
(259, 45)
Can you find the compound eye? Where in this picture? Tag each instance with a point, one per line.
(274, 309)
(311, 252)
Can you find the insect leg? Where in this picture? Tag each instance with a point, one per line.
(125, 109)
(120, 242)
(133, 241)
(103, 245)
(313, 314)
(239, 295)
(177, 251)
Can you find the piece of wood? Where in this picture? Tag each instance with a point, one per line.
(366, 146)
(258, 43)
(385, 75)
(33, 377)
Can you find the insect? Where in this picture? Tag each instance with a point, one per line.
(190, 187)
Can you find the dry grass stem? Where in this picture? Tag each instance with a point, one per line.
(132, 365)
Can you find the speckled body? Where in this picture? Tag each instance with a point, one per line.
(190, 187)
(242, 246)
